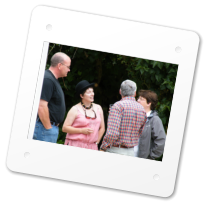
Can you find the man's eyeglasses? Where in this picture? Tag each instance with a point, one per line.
(65, 65)
(90, 117)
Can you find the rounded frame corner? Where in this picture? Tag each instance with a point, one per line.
(171, 192)
(196, 36)
(36, 8)
(9, 166)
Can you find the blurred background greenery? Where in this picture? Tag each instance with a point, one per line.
(108, 71)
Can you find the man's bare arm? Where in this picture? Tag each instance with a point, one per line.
(43, 113)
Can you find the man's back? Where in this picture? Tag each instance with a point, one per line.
(125, 124)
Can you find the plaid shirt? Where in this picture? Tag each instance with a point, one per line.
(125, 124)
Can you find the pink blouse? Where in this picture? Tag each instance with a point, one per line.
(84, 140)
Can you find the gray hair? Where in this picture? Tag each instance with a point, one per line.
(128, 88)
(57, 58)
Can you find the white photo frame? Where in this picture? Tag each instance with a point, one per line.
(114, 36)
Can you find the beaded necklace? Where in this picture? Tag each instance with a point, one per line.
(87, 107)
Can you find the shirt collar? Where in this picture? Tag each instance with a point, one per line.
(148, 113)
(52, 74)
(128, 98)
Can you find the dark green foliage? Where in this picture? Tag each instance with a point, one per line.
(156, 76)
(108, 71)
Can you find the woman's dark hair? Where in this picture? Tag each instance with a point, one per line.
(150, 96)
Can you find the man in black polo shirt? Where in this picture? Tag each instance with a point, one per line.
(52, 107)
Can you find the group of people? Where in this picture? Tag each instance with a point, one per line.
(133, 128)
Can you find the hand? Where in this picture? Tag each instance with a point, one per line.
(110, 105)
(48, 128)
(87, 130)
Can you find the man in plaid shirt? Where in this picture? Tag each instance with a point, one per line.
(125, 123)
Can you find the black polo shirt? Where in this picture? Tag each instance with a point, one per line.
(53, 94)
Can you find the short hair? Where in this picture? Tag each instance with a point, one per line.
(150, 96)
(128, 88)
(57, 58)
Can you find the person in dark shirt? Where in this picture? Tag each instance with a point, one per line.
(52, 107)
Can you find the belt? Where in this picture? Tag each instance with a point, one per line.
(53, 123)
(121, 146)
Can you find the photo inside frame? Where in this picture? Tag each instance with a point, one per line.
(107, 71)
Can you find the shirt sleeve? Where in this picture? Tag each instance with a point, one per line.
(143, 124)
(158, 137)
(47, 90)
(112, 134)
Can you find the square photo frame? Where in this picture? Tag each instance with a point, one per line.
(112, 36)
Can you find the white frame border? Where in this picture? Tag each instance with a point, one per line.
(114, 36)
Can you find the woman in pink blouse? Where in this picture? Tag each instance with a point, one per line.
(84, 123)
